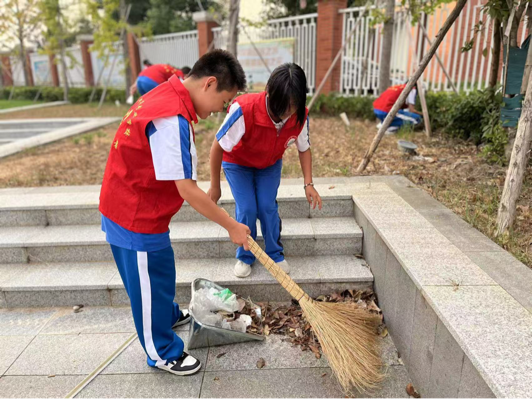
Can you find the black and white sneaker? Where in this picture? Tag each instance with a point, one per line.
(183, 319)
(185, 365)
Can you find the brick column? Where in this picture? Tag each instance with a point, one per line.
(329, 42)
(85, 42)
(134, 56)
(54, 73)
(28, 66)
(204, 22)
(7, 73)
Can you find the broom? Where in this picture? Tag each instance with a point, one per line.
(347, 333)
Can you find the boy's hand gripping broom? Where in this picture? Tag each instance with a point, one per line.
(347, 333)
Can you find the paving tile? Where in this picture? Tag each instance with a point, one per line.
(91, 320)
(158, 385)
(38, 386)
(389, 299)
(335, 227)
(66, 354)
(10, 349)
(13, 255)
(276, 383)
(493, 330)
(472, 385)
(401, 329)
(276, 353)
(133, 359)
(22, 218)
(378, 266)
(508, 272)
(24, 321)
(393, 386)
(194, 231)
(431, 259)
(77, 216)
(421, 355)
(68, 276)
(333, 208)
(32, 299)
(71, 253)
(446, 365)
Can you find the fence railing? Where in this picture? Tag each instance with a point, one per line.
(302, 28)
(178, 49)
(469, 70)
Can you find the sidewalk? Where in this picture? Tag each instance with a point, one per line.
(47, 352)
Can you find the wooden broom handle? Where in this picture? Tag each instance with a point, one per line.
(280, 275)
(277, 272)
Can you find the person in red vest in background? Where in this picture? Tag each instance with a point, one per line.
(152, 76)
(406, 116)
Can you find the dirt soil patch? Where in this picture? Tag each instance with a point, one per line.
(451, 170)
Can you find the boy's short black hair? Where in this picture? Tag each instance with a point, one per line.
(288, 85)
(147, 62)
(185, 70)
(224, 66)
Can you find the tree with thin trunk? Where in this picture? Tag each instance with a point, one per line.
(125, 48)
(57, 27)
(19, 25)
(496, 53)
(519, 157)
(232, 34)
(387, 41)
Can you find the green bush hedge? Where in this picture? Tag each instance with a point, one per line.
(472, 116)
(76, 95)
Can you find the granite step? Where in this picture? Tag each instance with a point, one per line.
(86, 243)
(99, 283)
(77, 205)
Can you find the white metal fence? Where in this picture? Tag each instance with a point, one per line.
(468, 70)
(177, 49)
(17, 71)
(302, 28)
(74, 68)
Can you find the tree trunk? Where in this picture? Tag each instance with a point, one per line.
(496, 60)
(517, 166)
(125, 47)
(23, 61)
(411, 82)
(63, 55)
(387, 40)
(232, 34)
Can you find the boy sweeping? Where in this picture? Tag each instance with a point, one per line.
(250, 146)
(150, 171)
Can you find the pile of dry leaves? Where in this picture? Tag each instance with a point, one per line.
(288, 320)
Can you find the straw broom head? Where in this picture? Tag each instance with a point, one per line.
(347, 333)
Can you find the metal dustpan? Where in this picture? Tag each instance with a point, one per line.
(202, 335)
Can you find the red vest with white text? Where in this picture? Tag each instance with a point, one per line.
(261, 145)
(130, 195)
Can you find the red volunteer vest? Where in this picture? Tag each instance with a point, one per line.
(130, 194)
(387, 99)
(160, 73)
(261, 145)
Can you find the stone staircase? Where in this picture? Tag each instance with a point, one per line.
(53, 252)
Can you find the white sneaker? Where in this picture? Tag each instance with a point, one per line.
(391, 130)
(185, 365)
(285, 266)
(242, 269)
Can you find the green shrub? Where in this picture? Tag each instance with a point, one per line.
(334, 104)
(76, 95)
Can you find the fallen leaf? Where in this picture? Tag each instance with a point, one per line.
(221, 355)
(216, 379)
(330, 188)
(324, 374)
(261, 363)
(299, 332)
(51, 376)
(266, 330)
(384, 332)
(412, 391)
